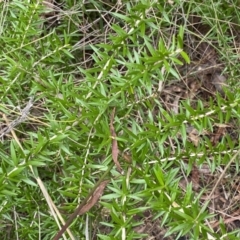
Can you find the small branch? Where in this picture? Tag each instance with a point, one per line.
(19, 120)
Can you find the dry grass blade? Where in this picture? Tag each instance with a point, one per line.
(114, 143)
(223, 173)
(53, 209)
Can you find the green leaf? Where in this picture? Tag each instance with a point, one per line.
(121, 16)
(30, 182)
(13, 154)
(159, 175)
(8, 193)
(185, 57)
(16, 171)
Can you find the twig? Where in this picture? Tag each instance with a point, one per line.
(19, 120)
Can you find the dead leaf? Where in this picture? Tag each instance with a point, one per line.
(127, 157)
(49, 8)
(195, 178)
(194, 87)
(221, 131)
(51, 13)
(85, 206)
(193, 135)
(194, 138)
(115, 150)
(176, 104)
(226, 221)
(218, 81)
(94, 198)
